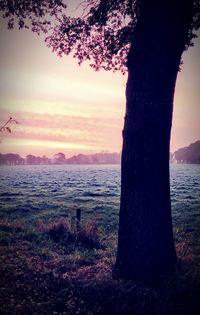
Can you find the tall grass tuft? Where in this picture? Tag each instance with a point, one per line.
(66, 233)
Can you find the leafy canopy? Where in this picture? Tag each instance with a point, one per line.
(102, 32)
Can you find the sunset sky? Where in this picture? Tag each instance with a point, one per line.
(62, 107)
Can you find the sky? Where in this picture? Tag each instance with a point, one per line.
(62, 107)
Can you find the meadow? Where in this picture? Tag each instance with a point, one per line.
(52, 264)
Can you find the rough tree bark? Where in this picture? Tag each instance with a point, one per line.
(146, 246)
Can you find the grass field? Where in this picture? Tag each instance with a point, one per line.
(49, 265)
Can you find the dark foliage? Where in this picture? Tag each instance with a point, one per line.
(190, 154)
(101, 34)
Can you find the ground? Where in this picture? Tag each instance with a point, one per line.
(52, 265)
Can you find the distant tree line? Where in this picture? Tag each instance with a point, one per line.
(59, 158)
(189, 154)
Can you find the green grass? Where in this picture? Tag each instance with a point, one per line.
(49, 265)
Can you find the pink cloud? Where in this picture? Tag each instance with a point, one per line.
(104, 133)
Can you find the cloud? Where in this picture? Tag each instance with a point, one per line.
(87, 132)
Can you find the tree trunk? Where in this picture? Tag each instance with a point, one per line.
(146, 248)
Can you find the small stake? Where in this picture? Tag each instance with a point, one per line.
(78, 218)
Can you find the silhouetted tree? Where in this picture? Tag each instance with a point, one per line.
(45, 160)
(59, 158)
(33, 160)
(11, 159)
(190, 154)
(147, 38)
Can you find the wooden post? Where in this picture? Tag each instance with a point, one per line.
(78, 218)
